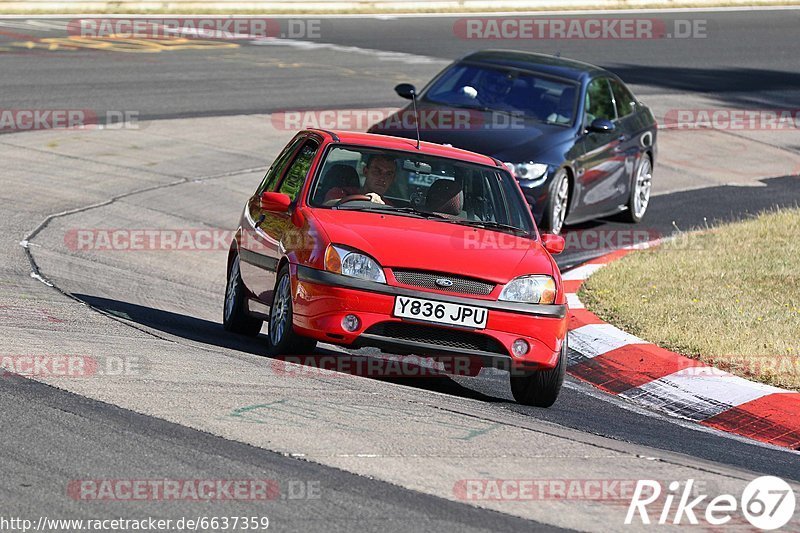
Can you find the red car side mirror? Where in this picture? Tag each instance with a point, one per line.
(275, 201)
(553, 243)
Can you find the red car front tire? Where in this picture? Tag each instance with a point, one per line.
(540, 388)
(281, 337)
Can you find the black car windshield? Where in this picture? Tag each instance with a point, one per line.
(527, 94)
(422, 186)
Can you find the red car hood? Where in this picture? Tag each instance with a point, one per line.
(420, 244)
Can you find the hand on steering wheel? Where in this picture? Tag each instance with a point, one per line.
(369, 197)
(353, 198)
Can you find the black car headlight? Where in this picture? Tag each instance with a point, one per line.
(528, 171)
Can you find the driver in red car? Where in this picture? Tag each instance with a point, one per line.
(379, 173)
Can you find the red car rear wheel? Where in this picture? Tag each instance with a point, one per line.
(234, 315)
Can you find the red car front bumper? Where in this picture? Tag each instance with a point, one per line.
(322, 299)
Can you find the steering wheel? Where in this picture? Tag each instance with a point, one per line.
(353, 198)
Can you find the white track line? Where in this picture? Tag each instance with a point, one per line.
(382, 55)
(574, 302)
(699, 393)
(593, 340)
(582, 272)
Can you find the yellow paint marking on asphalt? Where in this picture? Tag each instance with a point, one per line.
(140, 46)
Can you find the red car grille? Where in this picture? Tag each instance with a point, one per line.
(445, 337)
(427, 280)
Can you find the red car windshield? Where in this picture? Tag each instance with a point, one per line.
(411, 184)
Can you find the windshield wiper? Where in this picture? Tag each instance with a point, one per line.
(493, 225)
(410, 211)
(415, 211)
(487, 109)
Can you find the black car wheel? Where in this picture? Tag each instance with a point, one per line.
(281, 338)
(540, 388)
(234, 316)
(640, 191)
(555, 210)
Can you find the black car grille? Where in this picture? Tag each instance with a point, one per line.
(427, 280)
(445, 337)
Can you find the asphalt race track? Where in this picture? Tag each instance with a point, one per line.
(742, 53)
(385, 454)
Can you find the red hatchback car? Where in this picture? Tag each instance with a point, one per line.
(366, 240)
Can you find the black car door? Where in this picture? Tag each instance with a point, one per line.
(629, 126)
(601, 165)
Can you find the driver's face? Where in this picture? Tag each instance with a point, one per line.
(496, 87)
(379, 175)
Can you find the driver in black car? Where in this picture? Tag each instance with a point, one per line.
(495, 88)
(379, 173)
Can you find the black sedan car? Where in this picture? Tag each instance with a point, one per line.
(579, 142)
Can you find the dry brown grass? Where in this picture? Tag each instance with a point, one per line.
(729, 296)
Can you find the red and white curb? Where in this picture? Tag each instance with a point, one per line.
(621, 364)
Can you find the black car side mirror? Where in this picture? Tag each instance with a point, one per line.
(406, 90)
(601, 125)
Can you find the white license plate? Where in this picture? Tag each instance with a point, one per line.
(441, 312)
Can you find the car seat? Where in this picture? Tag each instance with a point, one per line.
(565, 109)
(445, 196)
(339, 176)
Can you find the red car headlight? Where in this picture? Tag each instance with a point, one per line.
(530, 290)
(353, 264)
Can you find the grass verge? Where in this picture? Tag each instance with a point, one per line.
(728, 296)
